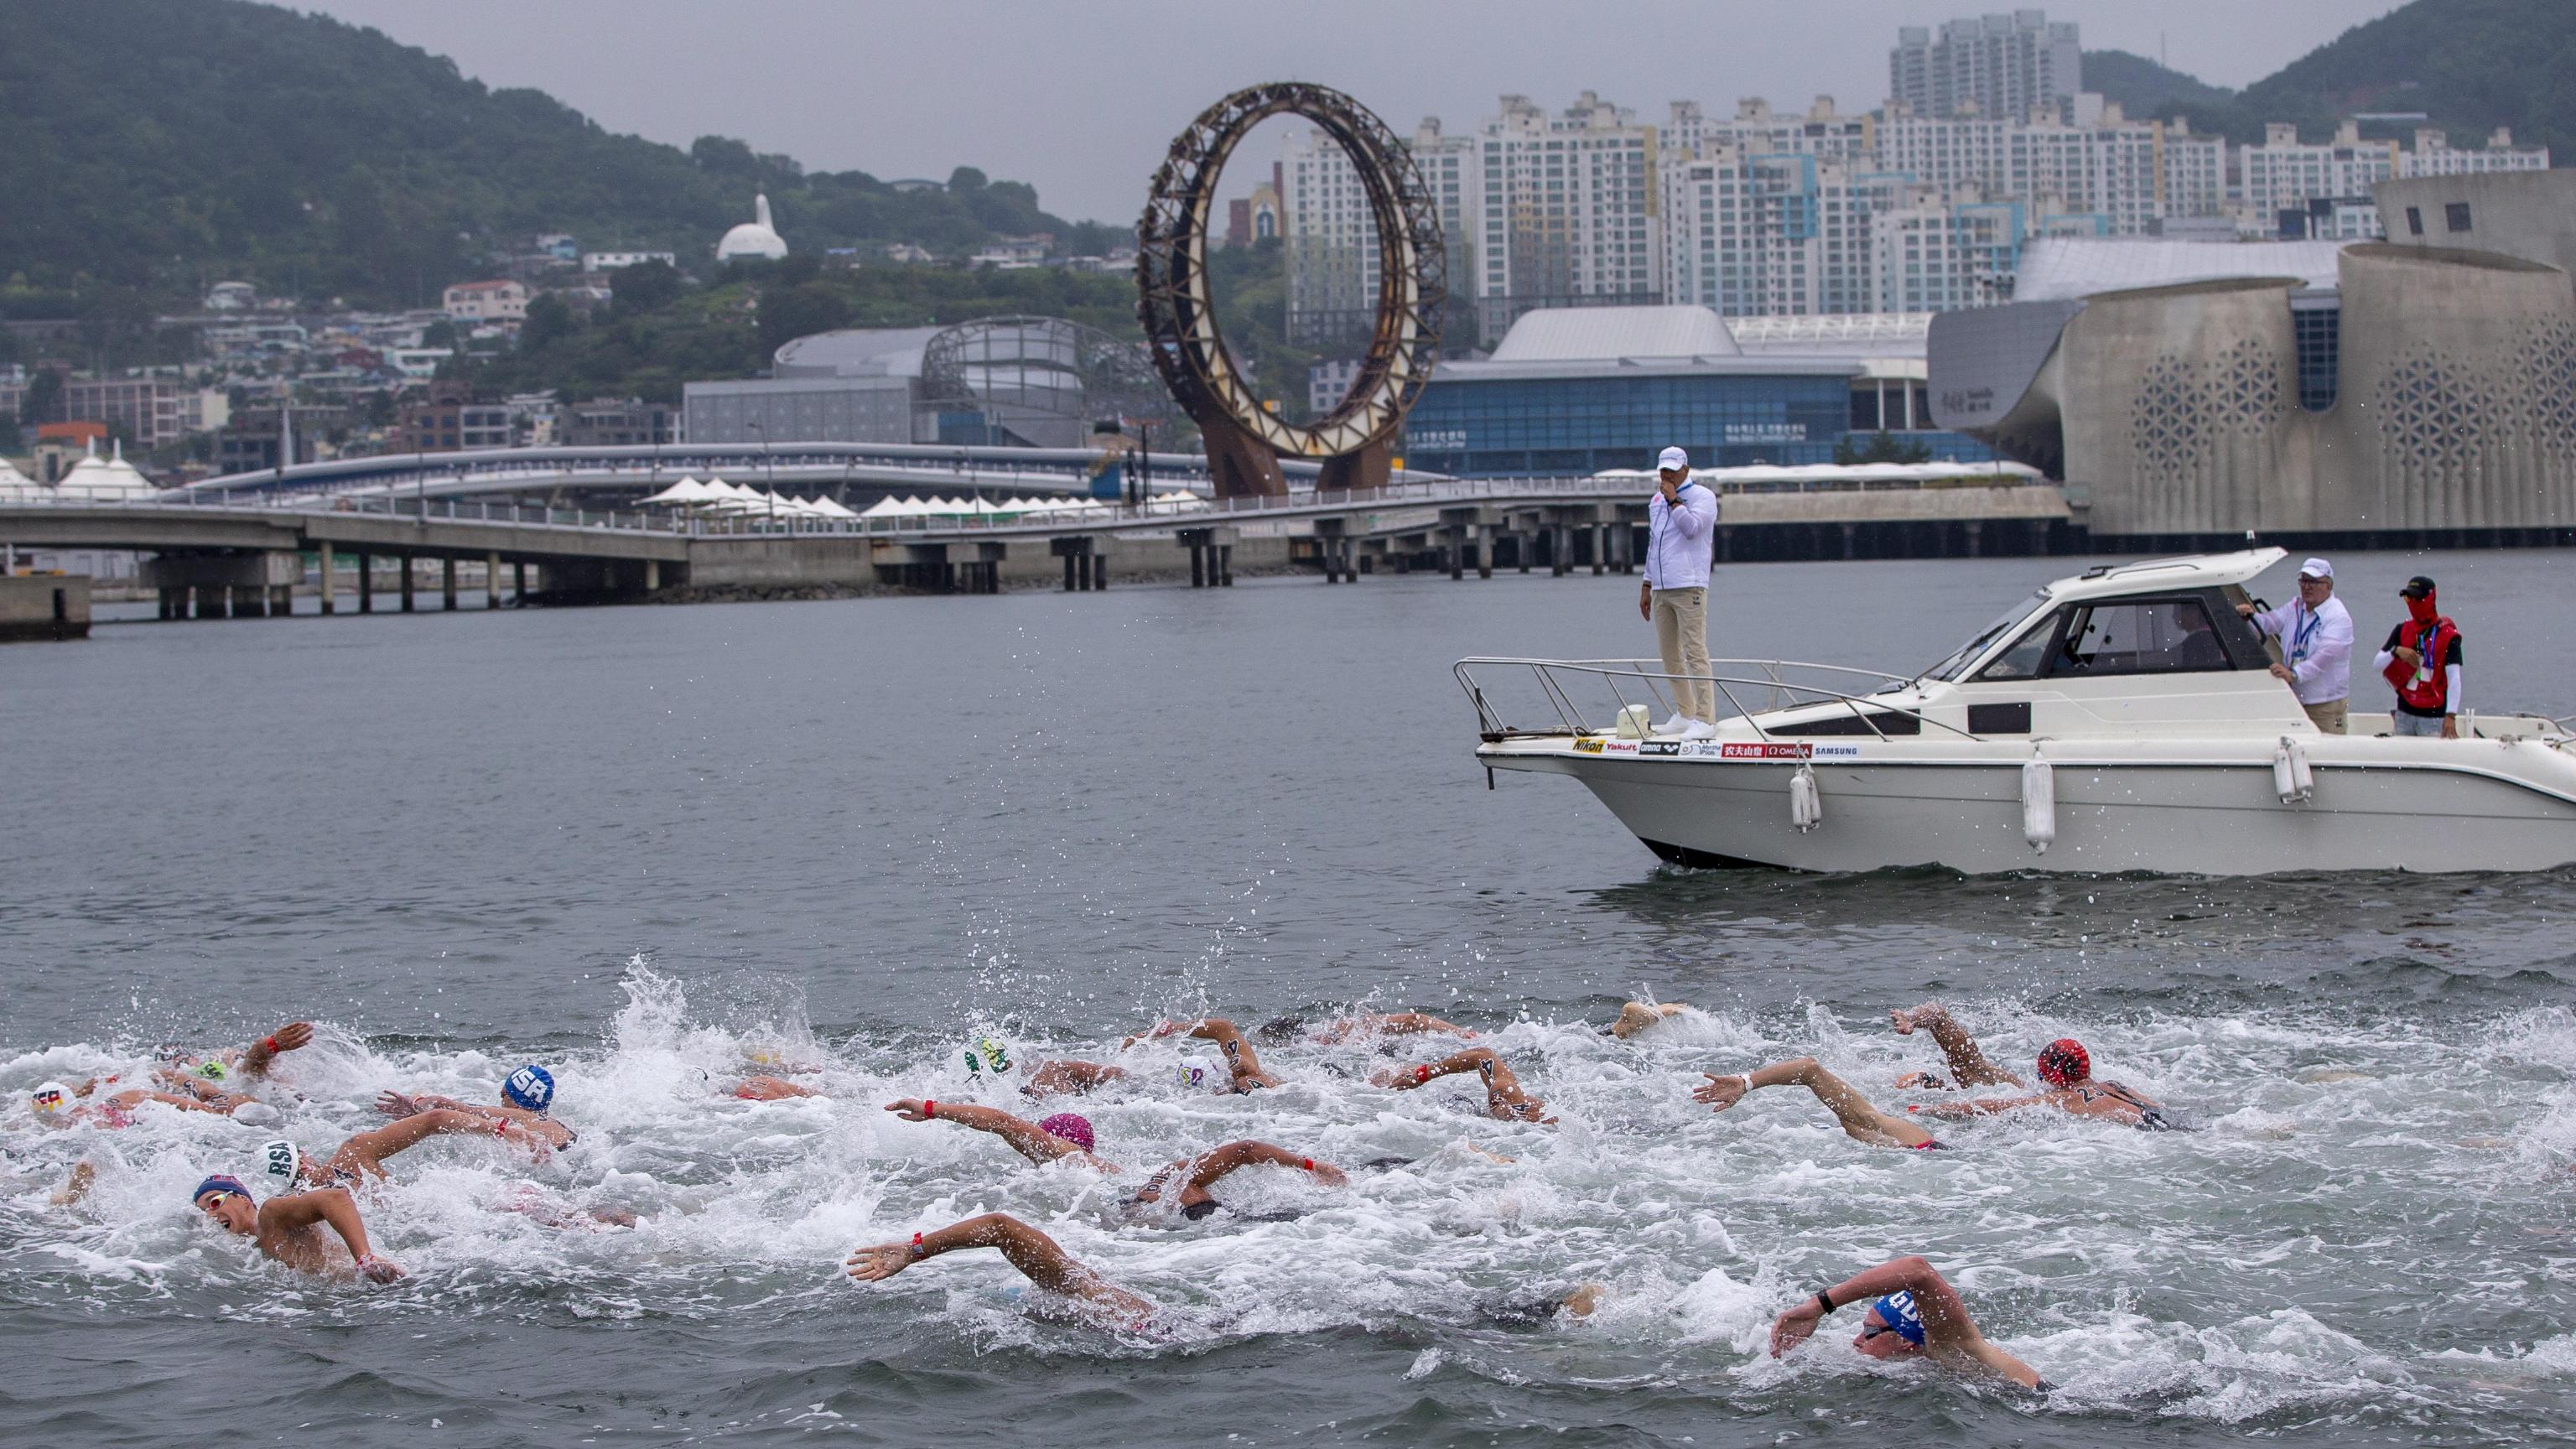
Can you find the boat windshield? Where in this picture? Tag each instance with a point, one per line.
(1957, 664)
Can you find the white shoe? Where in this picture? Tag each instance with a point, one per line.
(1674, 726)
(1700, 729)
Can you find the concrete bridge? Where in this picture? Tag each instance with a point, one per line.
(241, 557)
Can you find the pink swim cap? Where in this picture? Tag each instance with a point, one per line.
(1073, 1127)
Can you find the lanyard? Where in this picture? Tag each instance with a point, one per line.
(2304, 635)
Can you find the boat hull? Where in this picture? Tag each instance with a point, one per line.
(2412, 805)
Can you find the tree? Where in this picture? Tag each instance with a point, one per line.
(787, 313)
(644, 287)
(43, 401)
(549, 317)
(965, 180)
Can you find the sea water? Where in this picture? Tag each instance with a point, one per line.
(656, 849)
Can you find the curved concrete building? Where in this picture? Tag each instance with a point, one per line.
(2430, 397)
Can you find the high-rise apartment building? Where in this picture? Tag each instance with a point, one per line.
(2002, 66)
(1332, 236)
(2125, 175)
(1567, 207)
(1941, 257)
(1773, 234)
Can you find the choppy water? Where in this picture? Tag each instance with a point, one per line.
(648, 845)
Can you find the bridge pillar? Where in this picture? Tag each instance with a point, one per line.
(366, 583)
(1099, 572)
(491, 581)
(1225, 564)
(652, 575)
(1976, 538)
(406, 583)
(1485, 539)
(250, 601)
(519, 582)
(174, 603)
(1850, 532)
(322, 557)
(281, 597)
(213, 601)
(1600, 549)
(447, 583)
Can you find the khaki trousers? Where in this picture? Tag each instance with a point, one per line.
(1681, 636)
(2329, 716)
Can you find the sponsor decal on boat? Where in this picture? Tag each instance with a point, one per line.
(1837, 752)
(1660, 747)
(1587, 746)
(1619, 747)
(1766, 752)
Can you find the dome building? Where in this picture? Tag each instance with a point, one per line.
(754, 238)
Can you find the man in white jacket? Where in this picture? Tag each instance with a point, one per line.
(2316, 646)
(1681, 529)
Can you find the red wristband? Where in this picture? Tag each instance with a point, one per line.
(929, 1110)
(500, 1126)
(1422, 1074)
(1307, 1163)
(273, 1047)
(916, 1245)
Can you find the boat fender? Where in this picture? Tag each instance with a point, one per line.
(2038, 803)
(2291, 778)
(1635, 722)
(1806, 806)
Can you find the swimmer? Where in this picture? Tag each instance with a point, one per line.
(361, 1159)
(1914, 1312)
(1282, 1029)
(527, 1098)
(1636, 1016)
(1504, 1099)
(1206, 1169)
(288, 1227)
(1861, 1121)
(1068, 1078)
(1242, 1064)
(52, 1104)
(2066, 1071)
(770, 1089)
(1032, 1252)
(253, 1060)
(1968, 1065)
(1065, 1134)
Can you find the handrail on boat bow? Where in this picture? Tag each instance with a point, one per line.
(1785, 693)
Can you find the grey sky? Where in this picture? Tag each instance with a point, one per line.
(1079, 99)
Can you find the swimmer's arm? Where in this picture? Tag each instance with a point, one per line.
(1032, 1252)
(334, 1208)
(1415, 1023)
(372, 1148)
(1949, 1333)
(139, 1096)
(84, 1176)
(1405, 1079)
(1240, 1059)
(1210, 1166)
(1026, 1138)
(260, 1055)
(1981, 1107)
(398, 1104)
(1968, 1064)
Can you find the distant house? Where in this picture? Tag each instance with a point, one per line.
(917, 183)
(611, 261)
(496, 301)
(231, 297)
(1013, 252)
(907, 252)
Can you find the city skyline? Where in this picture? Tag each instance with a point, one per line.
(670, 71)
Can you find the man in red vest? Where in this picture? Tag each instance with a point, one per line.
(2422, 660)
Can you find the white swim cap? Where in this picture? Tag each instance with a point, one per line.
(257, 1114)
(988, 1054)
(283, 1162)
(1199, 1074)
(49, 1098)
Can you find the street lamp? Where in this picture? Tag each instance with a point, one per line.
(768, 470)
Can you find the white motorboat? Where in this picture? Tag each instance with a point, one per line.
(2120, 720)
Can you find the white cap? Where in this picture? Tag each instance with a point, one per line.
(1672, 458)
(2316, 568)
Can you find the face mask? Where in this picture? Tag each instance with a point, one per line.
(2422, 611)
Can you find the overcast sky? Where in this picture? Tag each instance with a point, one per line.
(1080, 99)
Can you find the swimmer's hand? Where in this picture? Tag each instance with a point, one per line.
(875, 1265)
(1329, 1175)
(1722, 1092)
(910, 1110)
(1922, 1082)
(290, 1036)
(1160, 1030)
(1792, 1327)
(378, 1270)
(1930, 1014)
(395, 1104)
(1401, 1079)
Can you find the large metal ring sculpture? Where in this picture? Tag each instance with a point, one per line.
(1175, 303)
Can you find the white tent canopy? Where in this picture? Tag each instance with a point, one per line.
(686, 491)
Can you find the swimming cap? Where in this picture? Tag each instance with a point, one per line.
(531, 1088)
(1897, 1311)
(2064, 1062)
(50, 1098)
(220, 1182)
(285, 1163)
(986, 1054)
(257, 1114)
(1198, 1074)
(212, 1069)
(1073, 1127)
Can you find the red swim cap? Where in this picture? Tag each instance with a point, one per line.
(1073, 1127)
(2064, 1062)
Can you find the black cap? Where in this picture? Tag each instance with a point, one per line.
(2418, 587)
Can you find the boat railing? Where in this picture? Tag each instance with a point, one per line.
(1751, 687)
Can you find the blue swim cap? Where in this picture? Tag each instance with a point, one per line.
(1897, 1311)
(220, 1182)
(531, 1088)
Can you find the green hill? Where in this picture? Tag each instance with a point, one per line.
(160, 145)
(2471, 65)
